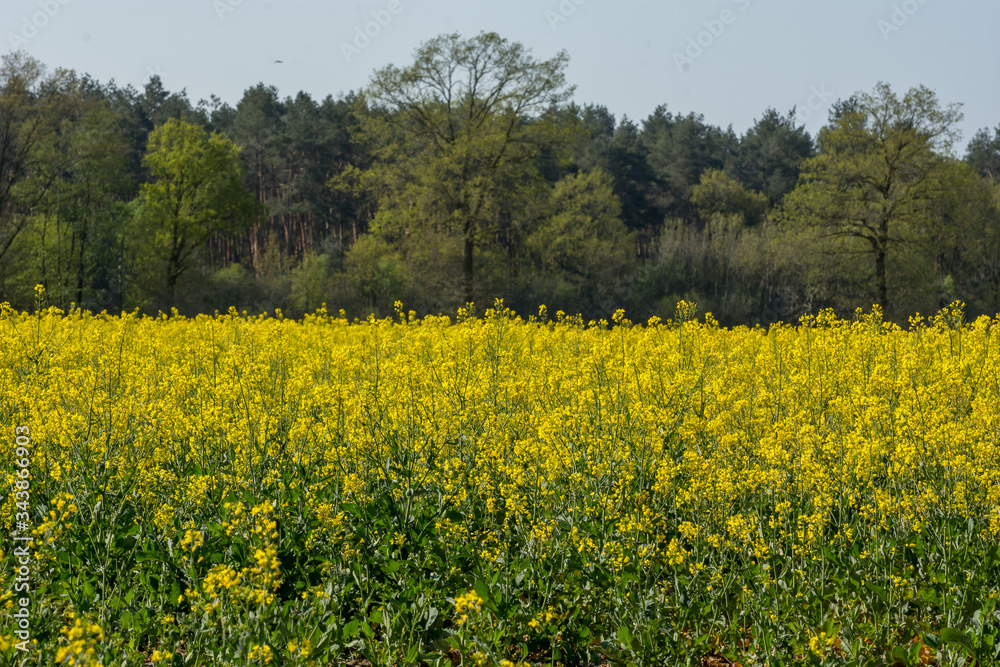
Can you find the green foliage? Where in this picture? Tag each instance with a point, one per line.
(433, 280)
(584, 243)
(962, 239)
(86, 163)
(878, 166)
(680, 149)
(456, 136)
(983, 154)
(770, 155)
(197, 191)
(28, 118)
(235, 286)
(375, 271)
(720, 194)
(621, 152)
(310, 283)
(452, 161)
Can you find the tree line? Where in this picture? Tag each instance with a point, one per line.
(469, 175)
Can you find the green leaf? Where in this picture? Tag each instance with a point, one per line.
(929, 595)
(481, 590)
(971, 607)
(175, 593)
(956, 637)
(991, 557)
(432, 614)
(880, 591)
(625, 636)
(126, 543)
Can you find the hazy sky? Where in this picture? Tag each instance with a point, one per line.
(726, 59)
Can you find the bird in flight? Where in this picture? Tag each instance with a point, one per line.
(279, 61)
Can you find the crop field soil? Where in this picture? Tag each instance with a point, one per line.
(498, 490)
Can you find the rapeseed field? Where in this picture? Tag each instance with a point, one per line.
(498, 490)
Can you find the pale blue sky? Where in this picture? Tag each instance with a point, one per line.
(753, 53)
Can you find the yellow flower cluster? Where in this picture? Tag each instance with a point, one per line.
(192, 540)
(264, 577)
(674, 554)
(163, 519)
(690, 443)
(823, 643)
(300, 649)
(261, 654)
(220, 580)
(54, 525)
(465, 605)
(79, 643)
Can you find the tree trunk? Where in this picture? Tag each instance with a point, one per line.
(80, 267)
(880, 282)
(45, 226)
(121, 273)
(881, 250)
(255, 248)
(467, 270)
(996, 285)
(173, 266)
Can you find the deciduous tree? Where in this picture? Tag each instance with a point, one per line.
(453, 131)
(877, 171)
(197, 191)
